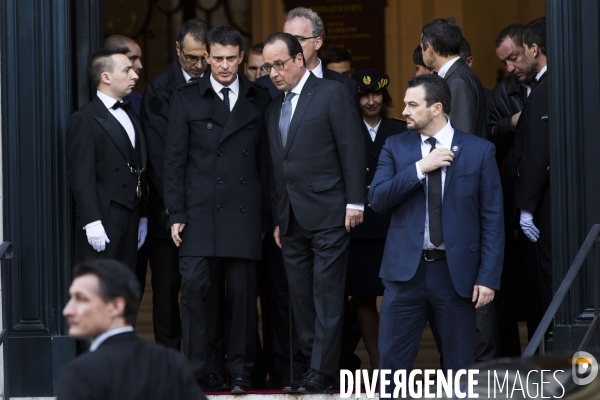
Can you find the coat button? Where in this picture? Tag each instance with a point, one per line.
(421, 232)
(219, 153)
(116, 169)
(209, 125)
(124, 185)
(368, 186)
(250, 126)
(242, 209)
(251, 98)
(368, 205)
(243, 181)
(285, 162)
(219, 180)
(245, 152)
(219, 208)
(367, 169)
(288, 183)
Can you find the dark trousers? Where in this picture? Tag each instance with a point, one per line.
(404, 312)
(166, 281)
(202, 313)
(121, 228)
(315, 264)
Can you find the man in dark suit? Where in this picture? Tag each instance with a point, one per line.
(508, 99)
(306, 26)
(106, 164)
(444, 254)
(317, 153)
(103, 305)
(441, 40)
(162, 252)
(216, 193)
(532, 193)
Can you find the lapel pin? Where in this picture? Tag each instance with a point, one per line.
(308, 93)
(455, 148)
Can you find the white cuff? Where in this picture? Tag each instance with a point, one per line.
(420, 175)
(93, 224)
(360, 207)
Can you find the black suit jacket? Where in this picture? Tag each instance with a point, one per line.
(129, 368)
(155, 122)
(532, 150)
(468, 108)
(322, 168)
(265, 81)
(97, 149)
(216, 175)
(375, 225)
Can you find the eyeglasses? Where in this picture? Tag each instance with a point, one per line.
(302, 38)
(190, 58)
(278, 66)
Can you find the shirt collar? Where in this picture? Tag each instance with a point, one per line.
(444, 70)
(318, 70)
(376, 128)
(106, 99)
(539, 75)
(235, 85)
(444, 136)
(186, 76)
(298, 88)
(112, 332)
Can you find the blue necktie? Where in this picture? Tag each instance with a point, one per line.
(286, 117)
(225, 92)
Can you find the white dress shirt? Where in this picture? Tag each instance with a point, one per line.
(297, 90)
(112, 332)
(187, 76)
(233, 93)
(444, 70)
(443, 139)
(318, 70)
(373, 131)
(119, 114)
(537, 78)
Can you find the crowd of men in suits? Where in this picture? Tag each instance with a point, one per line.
(287, 181)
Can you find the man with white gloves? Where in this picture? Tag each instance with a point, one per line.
(106, 164)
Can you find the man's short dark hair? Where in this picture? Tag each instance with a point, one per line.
(535, 32)
(444, 35)
(465, 49)
(336, 55)
(114, 280)
(225, 36)
(255, 49)
(196, 28)
(418, 57)
(102, 61)
(118, 42)
(512, 31)
(293, 45)
(436, 90)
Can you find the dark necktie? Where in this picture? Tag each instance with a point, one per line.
(121, 104)
(225, 92)
(434, 201)
(286, 117)
(192, 80)
(532, 83)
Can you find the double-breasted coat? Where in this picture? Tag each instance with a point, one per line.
(215, 176)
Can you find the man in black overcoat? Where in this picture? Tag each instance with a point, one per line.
(317, 153)
(102, 308)
(216, 194)
(188, 63)
(106, 164)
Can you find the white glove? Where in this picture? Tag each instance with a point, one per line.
(530, 230)
(97, 236)
(142, 231)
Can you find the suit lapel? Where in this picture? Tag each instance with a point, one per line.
(113, 128)
(456, 147)
(457, 64)
(217, 111)
(142, 143)
(306, 96)
(274, 120)
(242, 114)
(416, 147)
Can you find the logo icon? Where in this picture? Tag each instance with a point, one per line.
(584, 368)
